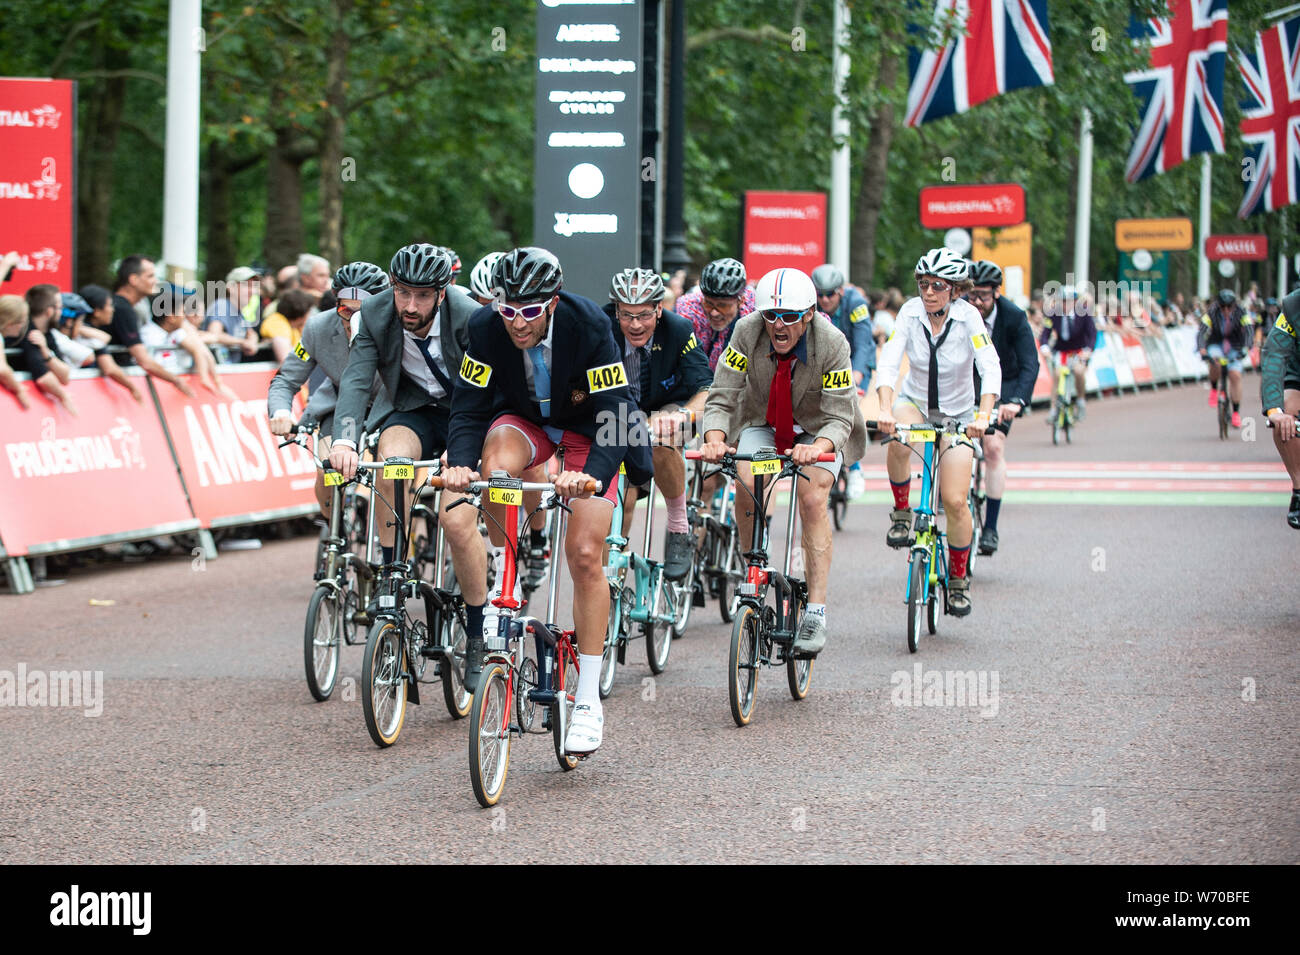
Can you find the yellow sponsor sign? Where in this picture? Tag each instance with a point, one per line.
(1154, 235)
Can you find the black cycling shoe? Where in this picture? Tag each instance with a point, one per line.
(959, 596)
(473, 662)
(900, 531)
(1293, 515)
(988, 541)
(679, 549)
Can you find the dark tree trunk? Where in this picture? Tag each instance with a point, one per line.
(221, 250)
(97, 149)
(875, 177)
(334, 128)
(284, 229)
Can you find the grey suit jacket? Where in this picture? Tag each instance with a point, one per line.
(378, 348)
(823, 397)
(324, 345)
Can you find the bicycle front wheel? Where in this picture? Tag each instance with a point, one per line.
(321, 638)
(564, 698)
(384, 676)
(1225, 419)
(916, 599)
(728, 601)
(682, 596)
(742, 665)
(489, 736)
(613, 632)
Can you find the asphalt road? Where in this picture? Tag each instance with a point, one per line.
(1136, 639)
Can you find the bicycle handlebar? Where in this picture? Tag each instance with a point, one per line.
(478, 487)
(695, 456)
(380, 465)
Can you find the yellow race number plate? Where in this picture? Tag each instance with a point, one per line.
(505, 495)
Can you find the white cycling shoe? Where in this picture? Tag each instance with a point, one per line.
(586, 728)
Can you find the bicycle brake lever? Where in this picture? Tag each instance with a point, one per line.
(458, 502)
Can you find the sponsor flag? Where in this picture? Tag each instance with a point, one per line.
(1181, 92)
(999, 45)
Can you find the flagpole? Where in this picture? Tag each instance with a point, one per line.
(181, 157)
(839, 210)
(1281, 258)
(1202, 263)
(1083, 204)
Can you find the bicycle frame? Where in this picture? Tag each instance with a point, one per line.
(929, 539)
(758, 575)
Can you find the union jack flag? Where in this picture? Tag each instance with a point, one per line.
(1182, 91)
(1270, 118)
(1001, 45)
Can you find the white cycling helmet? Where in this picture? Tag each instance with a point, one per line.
(785, 289)
(480, 279)
(943, 264)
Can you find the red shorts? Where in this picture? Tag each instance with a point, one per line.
(575, 447)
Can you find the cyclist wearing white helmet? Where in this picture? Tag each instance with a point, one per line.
(945, 342)
(480, 278)
(785, 381)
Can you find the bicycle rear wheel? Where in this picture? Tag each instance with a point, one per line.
(977, 526)
(742, 664)
(659, 636)
(565, 698)
(489, 736)
(683, 597)
(918, 569)
(454, 693)
(321, 638)
(384, 676)
(1225, 419)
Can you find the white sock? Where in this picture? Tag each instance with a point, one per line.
(818, 609)
(588, 680)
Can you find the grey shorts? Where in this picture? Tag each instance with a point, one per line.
(754, 439)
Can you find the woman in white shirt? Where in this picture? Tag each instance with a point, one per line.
(945, 340)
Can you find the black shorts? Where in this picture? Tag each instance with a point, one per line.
(429, 422)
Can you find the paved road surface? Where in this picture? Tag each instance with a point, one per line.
(1141, 631)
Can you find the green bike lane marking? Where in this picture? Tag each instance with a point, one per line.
(1130, 498)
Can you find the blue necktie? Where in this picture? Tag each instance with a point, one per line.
(541, 379)
(433, 365)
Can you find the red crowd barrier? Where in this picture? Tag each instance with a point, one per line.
(232, 466)
(68, 482)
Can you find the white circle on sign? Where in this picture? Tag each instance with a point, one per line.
(958, 240)
(1227, 268)
(1142, 259)
(586, 180)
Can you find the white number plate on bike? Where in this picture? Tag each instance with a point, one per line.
(765, 467)
(505, 495)
(919, 437)
(399, 472)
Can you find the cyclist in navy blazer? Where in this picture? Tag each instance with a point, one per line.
(542, 374)
(1013, 340)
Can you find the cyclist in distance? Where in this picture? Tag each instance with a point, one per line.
(542, 373)
(945, 342)
(480, 278)
(785, 381)
(1013, 340)
(722, 299)
(669, 378)
(326, 344)
(1224, 333)
(1279, 382)
(1069, 331)
(851, 314)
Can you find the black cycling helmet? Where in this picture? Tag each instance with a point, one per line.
(984, 272)
(1227, 296)
(455, 259)
(421, 266)
(527, 274)
(365, 276)
(723, 278)
(1291, 306)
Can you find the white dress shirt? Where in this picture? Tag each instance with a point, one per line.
(967, 347)
(413, 362)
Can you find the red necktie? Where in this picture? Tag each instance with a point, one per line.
(780, 412)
